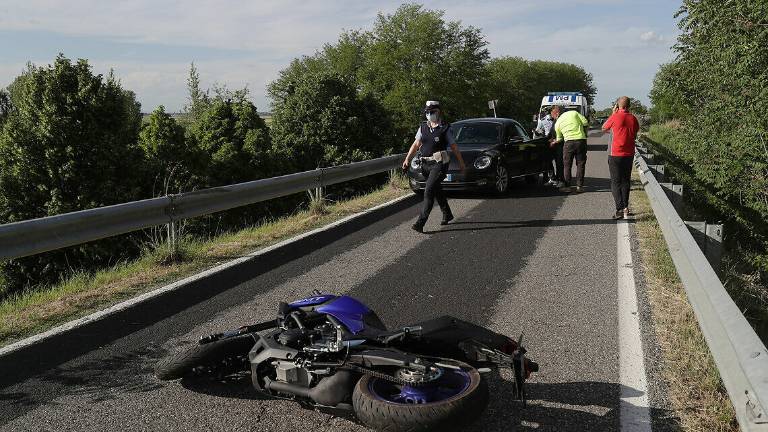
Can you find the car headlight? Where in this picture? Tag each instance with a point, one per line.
(415, 163)
(483, 162)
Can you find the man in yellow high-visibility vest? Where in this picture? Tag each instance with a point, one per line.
(571, 127)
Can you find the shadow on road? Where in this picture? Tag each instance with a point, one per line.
(236, 386)
(568, 406)
(98, 380)
(473, 225)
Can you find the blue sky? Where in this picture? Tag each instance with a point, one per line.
(150, 44)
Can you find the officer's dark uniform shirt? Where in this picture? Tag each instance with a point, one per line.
(434, 139)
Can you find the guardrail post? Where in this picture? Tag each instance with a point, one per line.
(173, 244)
(675, 194)
(317, 194)
(709, 237)
(658, 172)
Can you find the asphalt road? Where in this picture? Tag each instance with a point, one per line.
(535, 262)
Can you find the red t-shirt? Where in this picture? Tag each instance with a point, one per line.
(624, 126)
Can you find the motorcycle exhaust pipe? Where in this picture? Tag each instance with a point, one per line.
(330, 391)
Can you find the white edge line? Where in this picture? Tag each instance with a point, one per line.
(71, 325)
(633, 405)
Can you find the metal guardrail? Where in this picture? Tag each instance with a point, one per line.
(34, 236)
(739, 354)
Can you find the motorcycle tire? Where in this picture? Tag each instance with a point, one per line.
(182, 363)
(453, 413)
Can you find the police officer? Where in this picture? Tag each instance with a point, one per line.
(432, 140)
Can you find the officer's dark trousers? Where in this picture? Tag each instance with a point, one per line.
(435, 173)
(576, 149)
(620, 168)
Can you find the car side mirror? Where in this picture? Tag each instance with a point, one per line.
(516, 140)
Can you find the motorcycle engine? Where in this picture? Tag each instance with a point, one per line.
(292, 337)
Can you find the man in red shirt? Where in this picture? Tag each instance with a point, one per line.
(624, 126)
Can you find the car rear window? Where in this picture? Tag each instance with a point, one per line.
(477, 133)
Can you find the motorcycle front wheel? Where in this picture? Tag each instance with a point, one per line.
(452, 401)
(207, 355)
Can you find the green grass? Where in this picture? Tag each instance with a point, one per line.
(695, 388)
(34, 311)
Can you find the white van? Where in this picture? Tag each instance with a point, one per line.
(568, 101)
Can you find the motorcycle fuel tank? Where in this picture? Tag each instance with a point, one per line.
(347, 310)
(311, 301)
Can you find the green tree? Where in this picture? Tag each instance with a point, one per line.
(519, 84)
(668, 94)
(68, 143)
(321, 120)
(5, 106)
(197, 99)
(728, 42)
(234, 139)
(716, 88)
(173, 163)
(414, 55)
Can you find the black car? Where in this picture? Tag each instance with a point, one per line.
(495, 151)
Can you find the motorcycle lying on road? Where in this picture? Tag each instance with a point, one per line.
(334, 354)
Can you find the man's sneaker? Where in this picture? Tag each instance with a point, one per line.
(552, 182)
(618, 215)
(626, 214)
(446, 219)
(566, 189)
(561, 184)
(579, 189)
(418, 227)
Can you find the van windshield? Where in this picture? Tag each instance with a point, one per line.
(477, 133)
(563, 108)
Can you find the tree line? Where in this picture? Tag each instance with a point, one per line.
(710, 98)
(71, 139)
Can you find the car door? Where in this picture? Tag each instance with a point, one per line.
(534, 150)
(514, 155)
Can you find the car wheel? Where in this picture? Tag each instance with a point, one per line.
(501, 185)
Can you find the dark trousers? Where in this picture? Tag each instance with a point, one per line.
(576, 149)
(557, 155)
(435, 173)
(621, 173)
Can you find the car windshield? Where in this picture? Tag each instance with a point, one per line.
(477, 133)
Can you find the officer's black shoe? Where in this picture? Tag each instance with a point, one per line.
(446, 219)
(418, 227)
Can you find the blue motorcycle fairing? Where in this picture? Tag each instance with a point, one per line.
(348, 311)
(311, 301)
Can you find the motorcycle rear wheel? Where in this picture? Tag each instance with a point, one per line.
(381, 412)
(211, 354)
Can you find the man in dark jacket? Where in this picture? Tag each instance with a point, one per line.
(433, 138)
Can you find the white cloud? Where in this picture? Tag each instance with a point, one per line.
(271, 32)
(651, 36)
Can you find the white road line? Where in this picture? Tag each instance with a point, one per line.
(634, 412)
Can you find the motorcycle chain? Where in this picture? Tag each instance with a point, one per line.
(382, 375)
